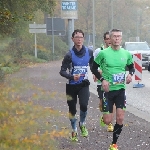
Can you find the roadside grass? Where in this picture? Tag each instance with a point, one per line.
(24, 125)
(9, 63)
(9, 68)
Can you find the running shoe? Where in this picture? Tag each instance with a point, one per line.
(102, 124)
(110, 128)
(74, 136)
(113, 147)
(84, 131)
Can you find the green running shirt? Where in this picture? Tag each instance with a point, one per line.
(113, 63)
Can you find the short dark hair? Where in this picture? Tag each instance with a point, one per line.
(77, 30)
(106, 33)
(114, 30)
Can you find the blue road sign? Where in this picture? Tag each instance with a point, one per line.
(69, 6)
(69, 9)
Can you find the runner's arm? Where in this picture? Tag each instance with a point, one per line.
(91, 59)
(95, 71)
(66, 64)
(131, 69)
(131, 72)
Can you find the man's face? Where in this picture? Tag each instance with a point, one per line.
(78, 39)
(116, 38)
(107, 40)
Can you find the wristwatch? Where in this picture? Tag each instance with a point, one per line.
(101, 79)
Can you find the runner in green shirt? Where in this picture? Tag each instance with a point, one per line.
(112, 62)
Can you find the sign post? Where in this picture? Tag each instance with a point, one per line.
(69, 10)
(35, 45)
(56, 25)
(37, 28)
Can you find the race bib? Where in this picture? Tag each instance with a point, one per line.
(118, 78)
(82, 70)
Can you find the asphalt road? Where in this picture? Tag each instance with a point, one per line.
(138, 99)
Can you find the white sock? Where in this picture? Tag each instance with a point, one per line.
(82, 123)
(74, 130)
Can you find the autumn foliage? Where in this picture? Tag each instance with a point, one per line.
(24, 125)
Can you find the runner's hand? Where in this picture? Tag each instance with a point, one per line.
(105, 86)
(76, 77)
(128, 79)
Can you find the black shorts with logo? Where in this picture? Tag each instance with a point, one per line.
(110, 98)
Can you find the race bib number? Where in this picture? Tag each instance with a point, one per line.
(82, 70)
(118, 78)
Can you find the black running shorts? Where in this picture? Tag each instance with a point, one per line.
(113, 97)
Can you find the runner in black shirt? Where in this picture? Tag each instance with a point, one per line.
(75, 69)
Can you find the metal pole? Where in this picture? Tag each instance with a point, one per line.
(53, 36)
(112, 15)
(93, 24)
(137, 27)
(70, 44)
(72, 25)
(35, 44)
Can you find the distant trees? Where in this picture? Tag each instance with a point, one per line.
(13, 13)
(125, 16)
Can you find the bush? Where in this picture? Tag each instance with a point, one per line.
(2, 75)
(46, 50)
(45, 55)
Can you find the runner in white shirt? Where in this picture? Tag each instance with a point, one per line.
(100, 92)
